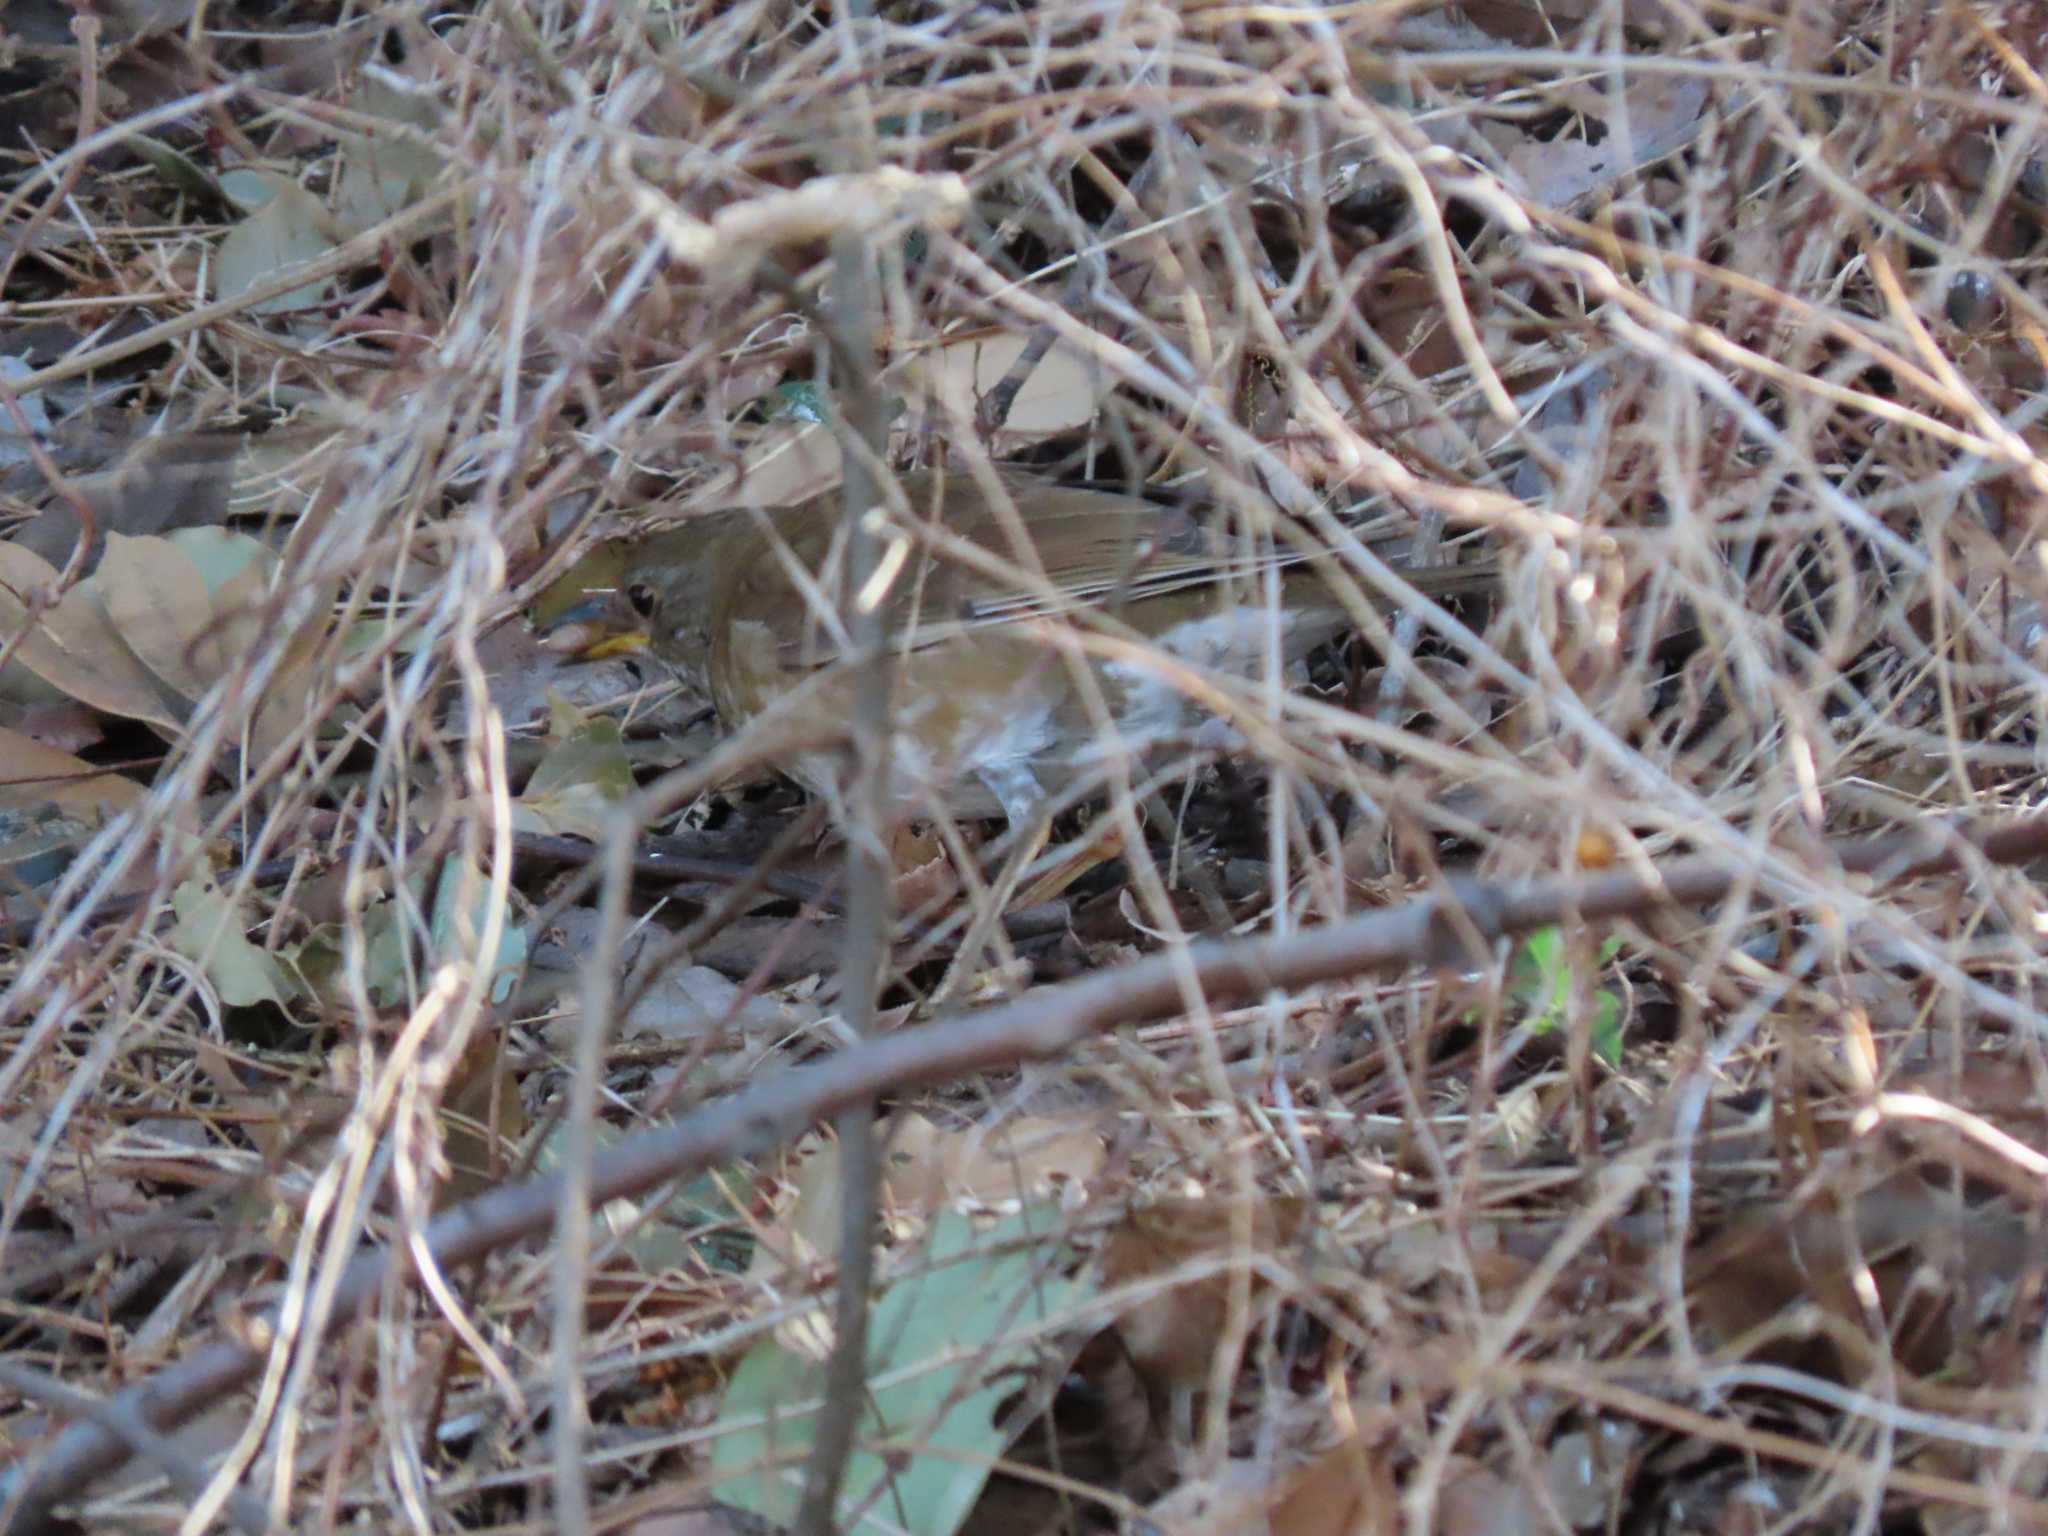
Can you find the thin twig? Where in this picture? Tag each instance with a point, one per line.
(573, 1203)
(995, 407)
(864, 958)
(117, 1416)
(1453, 927)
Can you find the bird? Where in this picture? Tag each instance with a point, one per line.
(991, 716)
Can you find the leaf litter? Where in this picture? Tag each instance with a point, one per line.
(1695, 1218)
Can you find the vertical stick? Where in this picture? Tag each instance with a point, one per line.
(863, 421)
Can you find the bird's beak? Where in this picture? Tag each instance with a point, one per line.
(630, 642)
(588, 631)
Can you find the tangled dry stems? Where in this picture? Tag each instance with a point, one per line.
(1666, 316)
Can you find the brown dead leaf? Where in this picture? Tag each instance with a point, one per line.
(1772, 1259)
(238, 623)
(1063, 393)
(787, 463)
(75, 647)
(166, 482)
(1104, 842)
(483, 1121)
(1415, 1255)
(1662, 115)
(159, 606)
(241, 621)
(149, 632)
(924, 873)
(1404, 307)
(32, 774)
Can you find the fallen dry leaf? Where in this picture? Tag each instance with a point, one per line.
(1477, 1502)
(789, 462)
(32, 774)
(1062, 394)
(165, 482)
(159, 605)
(1231, 1503)
(75, 648)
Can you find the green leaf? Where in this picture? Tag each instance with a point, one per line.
(707, 1201)
(658, 1239)
(288, 229)
(1540, 983)
(798, 400)
(386, 173)
(315, 962)
(452, 943)
(221, 554)
(945, 1341)
(390, 927)
(249, 189)
(1606, 1030)
(210, 934)
(578, 782)
(184, 173)
(387, 957)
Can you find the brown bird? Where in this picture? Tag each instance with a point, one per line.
(990, 715)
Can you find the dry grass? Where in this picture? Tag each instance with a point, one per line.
(1716, 329)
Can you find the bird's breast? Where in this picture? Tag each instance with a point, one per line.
(1007, 706)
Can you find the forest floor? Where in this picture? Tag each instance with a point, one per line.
(1563, 1062)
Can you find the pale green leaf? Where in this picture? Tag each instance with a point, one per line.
(290, 228)
(221, 554)
(456, 929)
(386, 173)
(578, 782)
(248, 188)
(210, 933)
(184, 173)
(946, 1340)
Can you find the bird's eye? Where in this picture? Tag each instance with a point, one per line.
(641, 596)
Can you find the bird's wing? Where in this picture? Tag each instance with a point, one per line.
(963, 574)
(1109, 551)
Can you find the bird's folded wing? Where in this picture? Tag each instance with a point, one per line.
(1089, 549)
